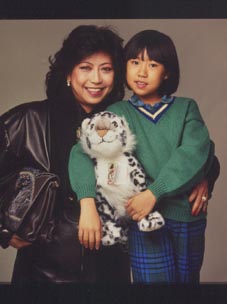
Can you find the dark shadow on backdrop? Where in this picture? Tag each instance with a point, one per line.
(112, 9)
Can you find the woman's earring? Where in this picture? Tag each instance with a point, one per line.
(68, 82)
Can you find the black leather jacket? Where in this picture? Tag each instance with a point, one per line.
(30, 136)
(40, 134)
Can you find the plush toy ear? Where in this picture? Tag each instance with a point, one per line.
(130, 137)
(84, 124)
(126, 124)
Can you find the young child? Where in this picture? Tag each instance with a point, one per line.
(174, 147)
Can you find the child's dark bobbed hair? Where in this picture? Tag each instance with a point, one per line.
(159, 48)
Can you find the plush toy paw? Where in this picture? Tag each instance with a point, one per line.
(152, 221)
(112, 234)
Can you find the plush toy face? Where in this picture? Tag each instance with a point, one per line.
(106, 135)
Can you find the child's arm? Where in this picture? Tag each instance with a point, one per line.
(82, 179)
(189, 162)
(81, 173)
(143, 203)
(90, 230)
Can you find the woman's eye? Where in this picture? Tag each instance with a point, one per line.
(107, 69)
(85, 67)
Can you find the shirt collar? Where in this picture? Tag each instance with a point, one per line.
(139, 103)
(151, 108)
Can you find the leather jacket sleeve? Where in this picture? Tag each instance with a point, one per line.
(8, 160)
(213, 174)
(4, 143)
(24, 138)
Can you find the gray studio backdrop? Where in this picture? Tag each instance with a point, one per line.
(202, 50)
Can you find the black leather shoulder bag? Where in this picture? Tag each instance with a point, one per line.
(27, 201)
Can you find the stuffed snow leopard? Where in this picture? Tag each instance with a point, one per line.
(107, 139)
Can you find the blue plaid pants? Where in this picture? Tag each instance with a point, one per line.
(172, 254)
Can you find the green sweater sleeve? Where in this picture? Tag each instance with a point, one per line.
(178, 185)
(81, 173)
(187, 164)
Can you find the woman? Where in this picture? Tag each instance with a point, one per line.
(85, 76)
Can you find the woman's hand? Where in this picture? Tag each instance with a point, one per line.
(90, 228)
(199, 198)
(18, 242)
(140, 205)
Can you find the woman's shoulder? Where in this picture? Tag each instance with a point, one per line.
(25, 108)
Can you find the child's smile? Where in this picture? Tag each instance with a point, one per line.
(140, 84)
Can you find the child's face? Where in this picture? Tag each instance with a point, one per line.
(145, 76)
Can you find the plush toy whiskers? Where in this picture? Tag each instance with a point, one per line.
(107, 139)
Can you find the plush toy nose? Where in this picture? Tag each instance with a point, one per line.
(102, 132)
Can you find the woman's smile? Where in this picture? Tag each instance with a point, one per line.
(94, 91)
(92, 80)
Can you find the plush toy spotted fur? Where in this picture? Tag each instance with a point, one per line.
(107, 139)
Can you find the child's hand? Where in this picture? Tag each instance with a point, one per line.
(141, 205)
(197, 197)
(90, 228)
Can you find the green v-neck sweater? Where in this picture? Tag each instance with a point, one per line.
(176, 153)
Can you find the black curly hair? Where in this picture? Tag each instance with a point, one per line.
(82, 42)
